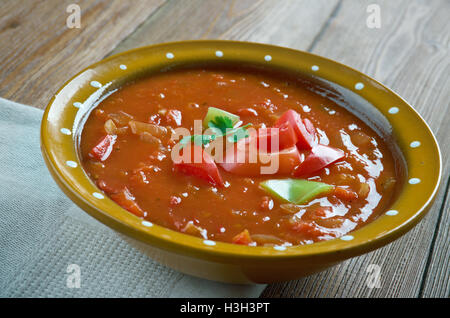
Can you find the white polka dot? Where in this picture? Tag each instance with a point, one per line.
(71, 164)
(96, 84)
(393, 110)
(414, 181)
(332, 112)
(392, 212)
(123, 67)
(209, 242)
(147, 223)
(268, 58)
(66, 131)
(170, 55)
(414, 144)
(279, 247)
(98, 195)
(359, 86)
(77, 104)
(315, 68)
(219, 53)
(347, 238)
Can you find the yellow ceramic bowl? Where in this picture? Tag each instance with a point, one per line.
(67, 110)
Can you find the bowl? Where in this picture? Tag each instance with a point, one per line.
(391, 116)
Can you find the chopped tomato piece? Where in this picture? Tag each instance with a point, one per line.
(194, 230)
(303, 128)
(266, 203)
(309, 127)
(344, 194)
(309, 229)
(104, 148)
(100, 113)
(127, 201)
(247, 160)
(281, 137)
(267, 239)
(173, 117)
(174, 200)
(155, 119)
(107, 187)
(321, 212)
(242, 238)
(319, 157)
(205, 169)
(247, 112)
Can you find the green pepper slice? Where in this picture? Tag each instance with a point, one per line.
(223, 118)
(297, 191)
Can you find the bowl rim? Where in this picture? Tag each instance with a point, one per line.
(178, 242)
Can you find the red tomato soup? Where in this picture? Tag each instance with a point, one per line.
(334, 173)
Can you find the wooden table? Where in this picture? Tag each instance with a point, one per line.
(409, 53)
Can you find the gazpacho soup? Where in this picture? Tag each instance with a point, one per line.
(242, 155)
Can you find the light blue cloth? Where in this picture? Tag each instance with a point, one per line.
(42, 233)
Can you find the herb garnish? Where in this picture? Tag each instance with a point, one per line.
(221, 123)
(220, 129)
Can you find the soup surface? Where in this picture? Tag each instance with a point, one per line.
(127, 147)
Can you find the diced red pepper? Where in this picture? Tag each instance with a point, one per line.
(282, 136)
(344, 194)
(104, 148)
(126, 200)
(206, 169)
(303, 128)
(319, 157)
(242, 238)
(309, 127)
(241, 161)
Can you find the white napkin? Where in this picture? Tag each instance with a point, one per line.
(49, 247)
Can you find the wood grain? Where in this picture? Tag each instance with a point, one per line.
(409, 54)
(372, 51)
(39, 52)
(436, 282)
(293, 23)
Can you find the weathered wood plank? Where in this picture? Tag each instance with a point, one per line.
(39, 52)
(410, 54)
(293, 23)
(437, 278)
(217, 24)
